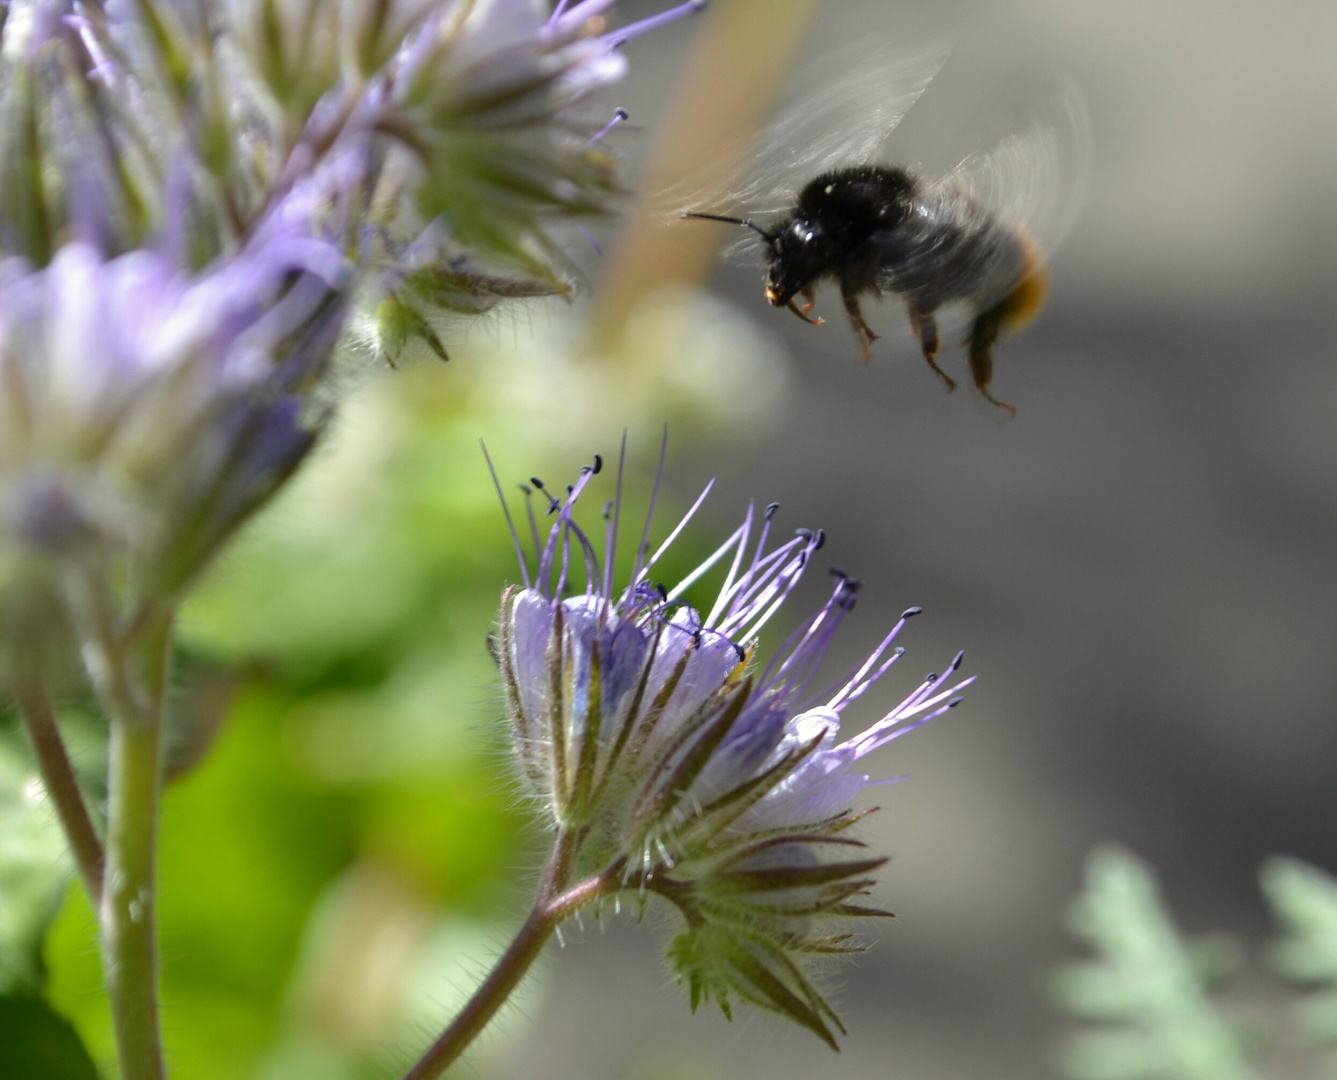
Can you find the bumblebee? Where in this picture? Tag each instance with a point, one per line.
(962, 240)
(876, 229)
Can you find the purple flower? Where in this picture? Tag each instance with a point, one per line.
(655, 739)
(490, 100)
(144, 411)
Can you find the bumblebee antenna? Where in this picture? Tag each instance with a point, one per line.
(765, 234)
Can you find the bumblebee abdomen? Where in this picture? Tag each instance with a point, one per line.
(1027, 297)
(950, 249)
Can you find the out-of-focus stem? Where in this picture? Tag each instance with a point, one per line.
(129, 676)
(551, 906)
(127, 916)
(737, 64)
(61, 785)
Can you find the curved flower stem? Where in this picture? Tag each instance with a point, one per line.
(551, 906)
(61, 784)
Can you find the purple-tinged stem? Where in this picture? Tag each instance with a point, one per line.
(61, 785)
(551, 906)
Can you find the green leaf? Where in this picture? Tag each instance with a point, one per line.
(1304, 902)
(1146, 985)
(38, 1044)
(34, 866)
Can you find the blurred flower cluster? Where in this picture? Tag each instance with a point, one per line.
(195, 199)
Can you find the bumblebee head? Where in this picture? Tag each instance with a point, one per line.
(799, 253)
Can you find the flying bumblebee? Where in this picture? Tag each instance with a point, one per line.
(966, 239)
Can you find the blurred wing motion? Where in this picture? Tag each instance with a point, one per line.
(840, 112)
(987, 227)
(1037, 174)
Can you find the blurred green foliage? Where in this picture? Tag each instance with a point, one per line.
(1304, 899)
(1146, 988)
(1146, 992)
(33, 868)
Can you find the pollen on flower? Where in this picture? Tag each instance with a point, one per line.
(653, 736)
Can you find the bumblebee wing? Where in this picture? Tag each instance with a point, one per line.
(839, 114)
(836, 112)
(990, 222)
(1037, 173)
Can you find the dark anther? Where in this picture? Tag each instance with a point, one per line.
(599, 458)
(663, 592)
(836, 571)
(853, 584)
(803, 534)
(911, 612)
(536, 482)
(527, 489)
(821, 540)
(571, 488)
(957, 662)
(699, 5)
(585, 470)
(742, 652)
(621, 114)
(553, 505)
(696, 638)
(771, 508)
(617, 43)
(931, 677)
(955, 702)
(608, 509)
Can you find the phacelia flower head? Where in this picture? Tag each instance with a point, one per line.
(145, 411)
(492, 100)
(662, 748)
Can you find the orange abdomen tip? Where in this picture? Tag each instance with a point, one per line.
(1024, 302)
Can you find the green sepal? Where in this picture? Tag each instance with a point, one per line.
(24, 203)
(787, 992)
(397, 324)
(457, 286)
(676, 773)
(694, 835)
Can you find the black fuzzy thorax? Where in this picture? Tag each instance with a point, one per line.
(849, 205)
(828, 231)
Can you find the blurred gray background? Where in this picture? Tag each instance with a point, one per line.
(1140, 566)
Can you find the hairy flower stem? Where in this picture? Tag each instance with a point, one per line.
(127, 916)
(129, 676)
(551, 906)
(61, 785)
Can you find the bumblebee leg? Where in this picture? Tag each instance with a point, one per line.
(925, 327)
(865, 332)
(983, 334)
(802, 312)
(810, 298)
